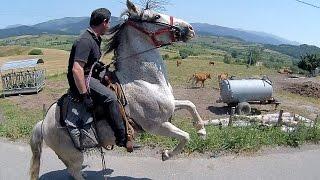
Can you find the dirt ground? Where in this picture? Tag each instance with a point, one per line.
(308, 89)
(47, 96)
(203, 98)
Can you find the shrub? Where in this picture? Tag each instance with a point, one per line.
(35, 52)
(253, 56)
(165, 57)
(309, 62)
(176, 57)
(234, 54)
(227, 59)
(297, 70)
(183, 54)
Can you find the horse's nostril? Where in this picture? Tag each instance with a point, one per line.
(190, 27)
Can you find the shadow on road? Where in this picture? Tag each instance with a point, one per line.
(91, 175)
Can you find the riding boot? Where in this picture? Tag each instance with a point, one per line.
(116, 122)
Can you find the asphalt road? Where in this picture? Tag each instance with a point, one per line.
(292, 164)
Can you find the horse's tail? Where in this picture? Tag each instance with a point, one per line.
(36, 148)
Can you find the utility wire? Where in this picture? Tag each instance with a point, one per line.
(309, 4)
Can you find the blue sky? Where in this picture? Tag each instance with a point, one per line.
(285, 18)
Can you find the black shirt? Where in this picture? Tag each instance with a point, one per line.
(85, 49)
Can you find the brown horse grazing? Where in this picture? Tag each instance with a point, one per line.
(223, 76)
(211, 63)
(199, 77)
(178, 63)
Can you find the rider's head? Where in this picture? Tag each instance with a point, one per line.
(100, 19)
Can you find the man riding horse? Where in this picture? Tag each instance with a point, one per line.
(85, 53)
(142, 74)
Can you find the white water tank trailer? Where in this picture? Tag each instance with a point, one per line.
(243, 92)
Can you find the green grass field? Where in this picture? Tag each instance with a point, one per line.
(179, 75)
(19, 121)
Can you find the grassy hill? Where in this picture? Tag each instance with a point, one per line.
(205, 47)
(13, 50)
(295, 51)
(62, 42)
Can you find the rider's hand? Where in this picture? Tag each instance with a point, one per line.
(100, 66)
(87, 101)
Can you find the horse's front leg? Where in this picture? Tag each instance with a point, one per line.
(197, 121)
(169, 130)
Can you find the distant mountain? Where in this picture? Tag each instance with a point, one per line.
(70, 25)
(66, 26)
(13, 26)
(285, 41)
(25, 30)
(250, 36)
(74, 26)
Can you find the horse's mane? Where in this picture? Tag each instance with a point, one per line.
(113, 40)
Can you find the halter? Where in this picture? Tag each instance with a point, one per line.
(169, 28)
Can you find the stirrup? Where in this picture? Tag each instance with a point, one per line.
(129, 146)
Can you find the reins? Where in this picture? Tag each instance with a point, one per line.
(169, 28)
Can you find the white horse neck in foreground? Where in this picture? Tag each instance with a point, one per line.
(144, 76)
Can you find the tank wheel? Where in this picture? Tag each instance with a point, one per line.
(243, 108)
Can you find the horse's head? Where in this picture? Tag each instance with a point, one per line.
(208, 75)
(161, 28)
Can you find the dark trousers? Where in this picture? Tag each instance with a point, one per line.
(106, 98)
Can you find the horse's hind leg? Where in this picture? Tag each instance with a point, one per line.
(169, 130)
(73, 161)
(197, 121)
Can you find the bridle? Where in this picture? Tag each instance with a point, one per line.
(174, 31)
(175, 34)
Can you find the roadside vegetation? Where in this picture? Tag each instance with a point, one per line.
(235, 139)
(19, 123)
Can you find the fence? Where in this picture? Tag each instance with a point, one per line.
(18, 78)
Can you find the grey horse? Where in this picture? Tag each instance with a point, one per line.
(142, 74)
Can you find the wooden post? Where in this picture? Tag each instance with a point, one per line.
(280, 118)
(233, 109)
(44, 111)
(315, 123)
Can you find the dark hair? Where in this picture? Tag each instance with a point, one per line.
(99, 15)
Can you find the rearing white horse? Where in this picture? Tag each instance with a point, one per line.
(142, 74)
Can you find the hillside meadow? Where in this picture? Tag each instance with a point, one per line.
(19, 118)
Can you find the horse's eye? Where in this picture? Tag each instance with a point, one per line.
(157, 17)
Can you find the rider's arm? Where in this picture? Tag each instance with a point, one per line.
(82, 52)
(78, 75)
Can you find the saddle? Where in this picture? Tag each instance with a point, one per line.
(87, 130)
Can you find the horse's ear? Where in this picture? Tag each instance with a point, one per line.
(131, 7)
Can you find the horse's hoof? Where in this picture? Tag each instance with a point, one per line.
(202, 133)
(165, 155)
